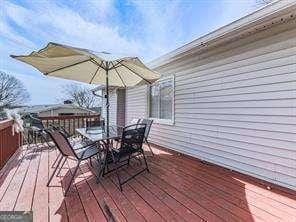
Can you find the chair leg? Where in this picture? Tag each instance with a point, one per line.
(59, 171)
(40, 137)
(116, 170)
(98, 157)
(59, 155)
(149, 146)
(118, 177)
(46, 140)
(128, 161)
(72, 178)
(28, 139)
(102, 164)
(103, 169)
(145, 161)
(54, 171)
(35, 138)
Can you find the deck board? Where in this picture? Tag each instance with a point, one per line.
(218, 188)
(26, 194)
(232, 186)
(57, 210)
(179, 188)
(40, 206)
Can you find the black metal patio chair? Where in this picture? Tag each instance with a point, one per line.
(130, 147)
(62, 129)
(75, 141)
(148, 123)
(35, 130)
(132, 122)
(68, 151)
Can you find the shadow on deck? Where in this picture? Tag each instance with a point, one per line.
(178, 188)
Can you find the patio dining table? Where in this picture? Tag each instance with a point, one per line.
(99, 135)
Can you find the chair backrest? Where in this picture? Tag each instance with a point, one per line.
(33, 121)
(59, 128)
(148, 123)
(132, 138)
(61, 142)
(134, 121)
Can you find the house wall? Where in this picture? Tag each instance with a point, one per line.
(136, 103)
(235, 105)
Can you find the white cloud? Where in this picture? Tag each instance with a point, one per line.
(64, 25)
(167, 24)
(8, 32)
(233, 10)
(94, 10)
(158, 28)
(161, 26)
(150, 29)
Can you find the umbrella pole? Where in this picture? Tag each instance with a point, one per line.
(107, 97)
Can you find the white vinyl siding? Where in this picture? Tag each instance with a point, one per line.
(136, 103)
(235, 105)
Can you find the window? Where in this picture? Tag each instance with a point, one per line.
(161, 100)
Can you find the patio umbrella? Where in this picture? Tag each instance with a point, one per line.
(85, 66)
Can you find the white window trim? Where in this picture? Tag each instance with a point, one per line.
(157, 120)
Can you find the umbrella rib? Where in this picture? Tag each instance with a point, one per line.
(135, 73)
(116, 65)
(92, 78)
(119, 75)
(96, 63)
(67, 66)
(99, 66)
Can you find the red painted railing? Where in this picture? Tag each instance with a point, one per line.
(9, 143)
(70, 123)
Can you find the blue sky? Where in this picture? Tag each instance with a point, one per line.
(144, 28)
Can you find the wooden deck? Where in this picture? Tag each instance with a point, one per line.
(177, 189)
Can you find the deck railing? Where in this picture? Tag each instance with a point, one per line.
(69, 123)
(9, 141)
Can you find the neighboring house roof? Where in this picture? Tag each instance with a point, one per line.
(43, 108)
(261, 19)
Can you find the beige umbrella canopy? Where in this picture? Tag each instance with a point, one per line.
(84, 66)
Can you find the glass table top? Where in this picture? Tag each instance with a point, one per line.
(99, 133)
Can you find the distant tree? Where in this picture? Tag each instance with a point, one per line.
(80, 95)
(12, 91)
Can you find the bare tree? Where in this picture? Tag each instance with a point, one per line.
(12, 91)
(80, 95)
